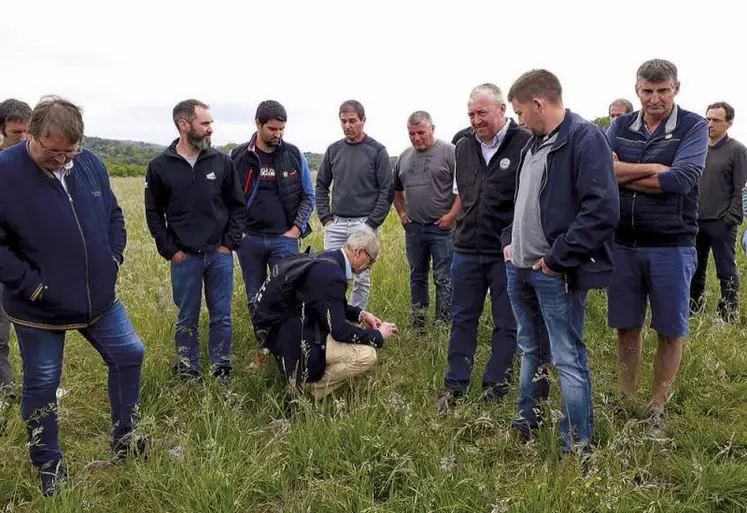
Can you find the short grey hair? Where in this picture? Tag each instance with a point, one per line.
(656, 70)
(622, 102)
(488, 89)
(364, 238)
(420, 116)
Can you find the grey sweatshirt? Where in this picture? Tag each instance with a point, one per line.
(362, 177)
(722, 182)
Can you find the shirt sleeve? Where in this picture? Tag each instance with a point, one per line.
(689, 162)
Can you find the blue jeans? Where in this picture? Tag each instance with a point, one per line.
(216, 269)
(256, 253)
(551, 329)
(41, 353)
(472, 275)
(424, 243)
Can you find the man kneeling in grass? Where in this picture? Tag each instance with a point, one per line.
(316, 345)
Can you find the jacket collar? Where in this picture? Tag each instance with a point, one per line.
(65, 170)
(171, 150)
(563, 129)
(348, 269)
(669, 125)
(253, 144)
(338, 255)
(508, 128)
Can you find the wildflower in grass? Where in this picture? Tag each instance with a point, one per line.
(448, 463)
(280, 427)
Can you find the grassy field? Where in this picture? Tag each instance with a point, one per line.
(378, 445)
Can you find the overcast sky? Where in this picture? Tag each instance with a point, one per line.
(128, 66)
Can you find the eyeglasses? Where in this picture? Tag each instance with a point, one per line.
(372, 259)
(55, 154)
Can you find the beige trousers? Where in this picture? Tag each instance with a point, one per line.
(343, 361)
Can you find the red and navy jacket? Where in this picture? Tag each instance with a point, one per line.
(60, 250)
(292, 176)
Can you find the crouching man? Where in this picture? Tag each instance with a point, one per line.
(316, 342)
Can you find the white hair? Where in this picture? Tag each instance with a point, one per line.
(487, 89)
(364, 238)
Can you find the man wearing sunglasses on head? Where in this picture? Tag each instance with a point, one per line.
(62, 239)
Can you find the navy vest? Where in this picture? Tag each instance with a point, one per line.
(655, 219)
(287, 176)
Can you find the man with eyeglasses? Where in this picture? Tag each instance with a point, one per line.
(318, 347)
(61, 246)
(720, 212)
(14, 123)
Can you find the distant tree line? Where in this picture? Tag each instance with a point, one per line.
(130, 158)
(603, 121)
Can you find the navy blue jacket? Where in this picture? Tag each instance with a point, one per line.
(681, 143)
(325, 312)
(579, 206)
(292, 177)
(59, 252)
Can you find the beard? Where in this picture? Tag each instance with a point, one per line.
(201, 143)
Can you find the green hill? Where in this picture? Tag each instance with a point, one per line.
(130, 158)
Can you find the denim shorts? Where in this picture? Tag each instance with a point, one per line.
(660, 274)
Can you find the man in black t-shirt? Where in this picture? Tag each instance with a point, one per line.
(279, 196)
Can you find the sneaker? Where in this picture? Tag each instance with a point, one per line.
(130, 446)
(582, 455)
(449, 400)
(222, 374)
(494, 394)
(53, 476)
(519, 433)
(656, 425)
(418, 321)
(185, 374)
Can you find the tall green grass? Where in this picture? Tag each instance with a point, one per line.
(378, 445)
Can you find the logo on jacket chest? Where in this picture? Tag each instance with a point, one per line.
(210, 175)
(267, 173)
(504, 163)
